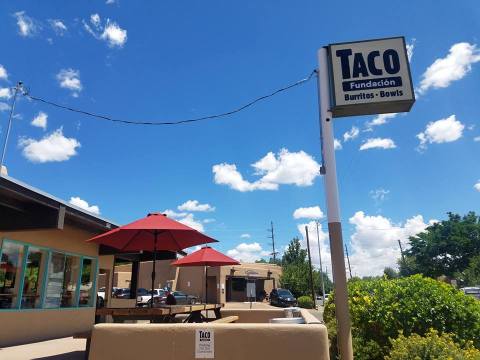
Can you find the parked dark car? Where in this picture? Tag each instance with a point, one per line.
(282, 297)
(122, 293)
(183, 298)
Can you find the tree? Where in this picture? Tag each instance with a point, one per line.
(295, 272)
(390, 273)
(444, 248)
(471, 275)
(261, 261)
(294, 253)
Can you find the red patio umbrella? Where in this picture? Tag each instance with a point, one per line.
(206, 256)
(152, 233)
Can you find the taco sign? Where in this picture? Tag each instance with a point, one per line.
(370, 77)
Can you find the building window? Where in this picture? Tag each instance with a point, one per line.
(87, 282)
(10, 274)
(70, 279)
(54, 288)
(44, 278)
(33, 278)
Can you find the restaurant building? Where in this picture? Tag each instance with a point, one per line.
(48, 273)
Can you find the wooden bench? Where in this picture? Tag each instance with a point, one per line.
(228, 319)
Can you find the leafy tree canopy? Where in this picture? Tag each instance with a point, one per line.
(444, 248)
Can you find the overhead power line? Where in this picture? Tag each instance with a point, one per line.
(173, 122)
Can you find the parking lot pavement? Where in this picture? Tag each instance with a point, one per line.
(58, 349)
(246, 305)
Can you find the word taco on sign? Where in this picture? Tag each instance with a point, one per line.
(370, 77)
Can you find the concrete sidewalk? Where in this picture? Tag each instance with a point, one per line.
(58, 349)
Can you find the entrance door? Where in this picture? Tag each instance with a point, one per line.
(211, 289)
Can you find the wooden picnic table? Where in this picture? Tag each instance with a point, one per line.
(161, 314)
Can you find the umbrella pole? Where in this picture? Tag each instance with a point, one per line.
(206, 288)
(153, 267)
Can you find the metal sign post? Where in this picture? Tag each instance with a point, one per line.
(367, 77)
(333, 211)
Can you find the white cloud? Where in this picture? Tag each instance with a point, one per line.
(40, 120)
(70, 79)
(110, 2)
(380, 119)
(185, 218)
(3, 73)
(374, 243)
(245, 236)
(114, 34)
(379, 195)
(477, 138)
(190, 220)
(351, 134)
(4, 106)
(84, 205)
(26, 25)
(111, 33)
(58, 26)
(5, 93)
(289, 168)
(477, 186)
(441, 131)
(453, 67)
(313, 212)
(194, 205)
(247, 252)
(337, 144)
(95, 20)
(208, 221)
(410, 47)
(173, 214)
(378, 143)
(52, 147)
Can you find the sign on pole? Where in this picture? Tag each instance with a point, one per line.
(370, 77)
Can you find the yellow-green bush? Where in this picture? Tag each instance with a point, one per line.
(380, 309)
(432, 346)
(306, 302)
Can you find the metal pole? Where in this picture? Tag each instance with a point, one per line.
(321, 267)
(333, 212)
(348, 260)
(155, 234)
(10, 119)
(310, 265)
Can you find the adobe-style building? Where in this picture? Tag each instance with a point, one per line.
(224, 284)
(48, 272)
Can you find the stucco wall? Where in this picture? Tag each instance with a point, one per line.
(21, 327)
(25, 326)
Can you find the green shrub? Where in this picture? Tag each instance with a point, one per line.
(306, 302)
(382, 308)
(431, 347)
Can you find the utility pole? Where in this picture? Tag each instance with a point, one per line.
(18, 87)
(272, 236)
(348, 260)
(342, 312)
(321, 267)
(310, 265)
(401, 252)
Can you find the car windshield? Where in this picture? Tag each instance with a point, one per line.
(284, 292)
(178, 293)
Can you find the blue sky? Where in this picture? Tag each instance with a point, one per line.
(170, 60)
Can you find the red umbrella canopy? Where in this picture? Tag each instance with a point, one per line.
(140, 235)
(206, 256)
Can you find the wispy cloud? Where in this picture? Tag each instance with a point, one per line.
(378, 143)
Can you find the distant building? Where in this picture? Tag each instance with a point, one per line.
(224, 284)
